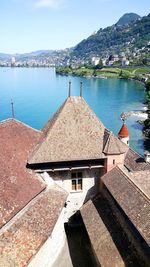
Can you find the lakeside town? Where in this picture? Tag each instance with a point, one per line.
(137, 57)
(127, 64)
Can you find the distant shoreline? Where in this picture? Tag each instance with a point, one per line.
(119, 73)
(136, 73)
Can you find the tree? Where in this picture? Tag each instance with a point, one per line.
(148, 85)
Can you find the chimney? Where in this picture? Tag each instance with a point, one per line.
(81, 89)
(69, 94)
(12, 109)
(147, 156)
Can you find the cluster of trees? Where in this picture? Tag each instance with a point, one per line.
(79, 71)
(147, 121)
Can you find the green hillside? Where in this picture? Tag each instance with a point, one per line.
(114, 39)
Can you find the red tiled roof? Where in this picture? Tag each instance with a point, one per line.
(22, 240)
(18, 185)
(123, 131)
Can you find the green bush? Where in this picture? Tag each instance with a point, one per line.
(147, 123)
(148, 85)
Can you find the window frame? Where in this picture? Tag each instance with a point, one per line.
(76, 182)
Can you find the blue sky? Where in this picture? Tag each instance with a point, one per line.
(29, 25)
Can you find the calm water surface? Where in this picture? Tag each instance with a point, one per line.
(38, 92)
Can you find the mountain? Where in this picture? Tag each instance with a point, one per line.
(33, 54)
(131, 33)
(4, 56)
(115, 39)
(127, 18)
(37, 55)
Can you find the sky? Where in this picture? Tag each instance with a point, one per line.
(30, 25)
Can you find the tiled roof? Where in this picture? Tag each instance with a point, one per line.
(108, 239)
(134, 162)
(133, 202)
(123, 131)
(114, 146)
(22, 240)
(73, 133)
(142, 180)
(18, 185)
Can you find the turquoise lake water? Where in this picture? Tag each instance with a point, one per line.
(38, 92)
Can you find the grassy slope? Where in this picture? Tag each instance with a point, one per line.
(107, 72)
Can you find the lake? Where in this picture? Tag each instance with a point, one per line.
(38, 92)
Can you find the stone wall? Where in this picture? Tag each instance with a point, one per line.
(139, 244)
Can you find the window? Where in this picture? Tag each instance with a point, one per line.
(76, 181)
(113, 161)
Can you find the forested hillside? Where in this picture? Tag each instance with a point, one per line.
(115, 39)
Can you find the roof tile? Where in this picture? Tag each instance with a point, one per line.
(114, 146)
(131, 199)
(123, 131)
(74, 133)
(18, 184)
(24, 237)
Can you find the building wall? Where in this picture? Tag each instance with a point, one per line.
(90, 178)
(125, 140)
(75, 200)
(113, 160)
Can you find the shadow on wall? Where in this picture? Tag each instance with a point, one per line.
(93, 191)
(124, 246)
(79, 244)
(90, 194)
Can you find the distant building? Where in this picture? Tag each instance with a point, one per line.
(112, 59)
(95, 61)
(115, 57)
(13, 61)
(125, 62)
(104, 61)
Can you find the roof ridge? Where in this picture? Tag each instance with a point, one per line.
(117, 143)
(20, 213)
(112, 138)
(52, 120)
(67, 133)
(6, 120)
(16, 120)
(107, 142)
(132, 182)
